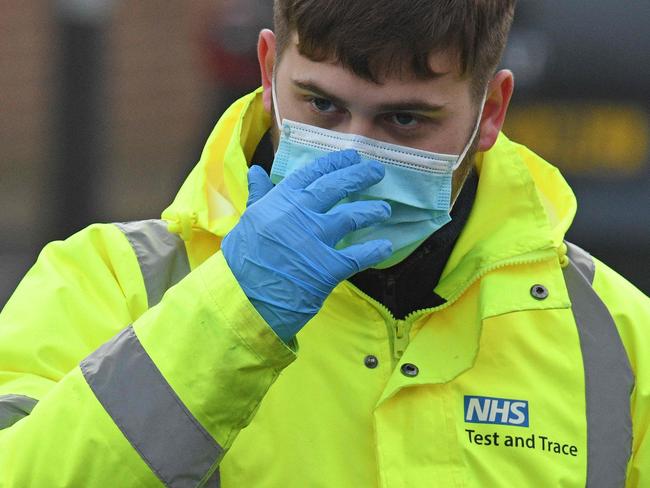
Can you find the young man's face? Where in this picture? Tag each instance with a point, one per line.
(436, 115)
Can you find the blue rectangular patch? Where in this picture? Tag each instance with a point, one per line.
(503, 411)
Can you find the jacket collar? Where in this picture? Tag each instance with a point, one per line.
(523, 207)
(214, 195)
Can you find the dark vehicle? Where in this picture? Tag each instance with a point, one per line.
(582, 101)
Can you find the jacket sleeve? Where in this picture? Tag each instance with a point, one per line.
(630, 309)
(96, 390)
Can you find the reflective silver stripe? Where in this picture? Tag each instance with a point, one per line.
(161, 255)
(582, 260)
(13, 408)
(150, 415)
(608, 379)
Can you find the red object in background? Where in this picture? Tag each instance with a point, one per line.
(230, 41)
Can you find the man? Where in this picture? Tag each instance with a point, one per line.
(479, 351)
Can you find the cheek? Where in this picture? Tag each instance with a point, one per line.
(275, 137)
(458, 134)
(444, 138)
(293, 108)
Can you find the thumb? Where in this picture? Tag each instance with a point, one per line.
(259, 184)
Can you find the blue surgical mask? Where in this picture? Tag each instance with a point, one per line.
(417, 185)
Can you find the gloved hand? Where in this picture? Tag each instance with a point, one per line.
(282, 250)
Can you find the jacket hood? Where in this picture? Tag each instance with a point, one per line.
(523, 204)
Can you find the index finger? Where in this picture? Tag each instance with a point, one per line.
(330, 189)
(303, 177)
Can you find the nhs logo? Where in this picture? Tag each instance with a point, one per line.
(486, 410)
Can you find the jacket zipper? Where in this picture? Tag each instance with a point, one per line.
(399, 330)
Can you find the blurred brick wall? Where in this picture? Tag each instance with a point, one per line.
(154, 111)
(157, 90)
(26, 75)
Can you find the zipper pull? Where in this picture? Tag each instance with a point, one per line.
(401, 339)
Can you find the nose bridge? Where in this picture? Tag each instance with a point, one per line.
(362, 125)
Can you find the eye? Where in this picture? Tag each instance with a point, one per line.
(323, 105)
(404, 120)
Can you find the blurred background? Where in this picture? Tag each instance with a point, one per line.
(105, 105)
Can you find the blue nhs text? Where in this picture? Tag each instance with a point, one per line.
(486, 410)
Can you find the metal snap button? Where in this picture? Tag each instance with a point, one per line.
(371, 361)
(410, 370)
(539, 292)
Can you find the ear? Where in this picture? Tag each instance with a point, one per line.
(496, 106)
(266, 57)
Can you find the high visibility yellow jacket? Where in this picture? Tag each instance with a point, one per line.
(121, 367)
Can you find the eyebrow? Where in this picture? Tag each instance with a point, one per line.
(401, 106)
(317, 90)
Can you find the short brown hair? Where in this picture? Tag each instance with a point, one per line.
(374, 38)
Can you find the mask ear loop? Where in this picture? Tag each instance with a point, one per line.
(274, 95)
(474, 133)
(468, 147)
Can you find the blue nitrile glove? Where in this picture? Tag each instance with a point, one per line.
(282, 250)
